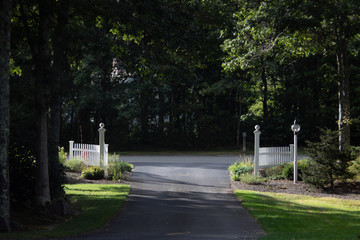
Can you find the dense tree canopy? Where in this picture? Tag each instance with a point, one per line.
(177, 75)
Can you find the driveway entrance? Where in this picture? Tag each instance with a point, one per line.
(180, 197)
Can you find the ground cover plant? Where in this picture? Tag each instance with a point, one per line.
(291, 216)
(97, 204)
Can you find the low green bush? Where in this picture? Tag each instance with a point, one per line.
(126, 167)
(235, 177)
(274, 173)
(355, 167)
(288, 169)
(240, 168)
(74, 165)
(251, 179)
(93, 173)
(116, 168)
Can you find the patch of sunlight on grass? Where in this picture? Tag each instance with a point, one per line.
(289, 216)
(98, 203)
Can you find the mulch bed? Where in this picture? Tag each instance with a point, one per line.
(344, 191)
(76, 178)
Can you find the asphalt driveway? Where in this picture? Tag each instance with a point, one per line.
(180, 197)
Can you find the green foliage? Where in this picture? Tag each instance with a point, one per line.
(250, 178)
(240, 168)
(74, 165)
(328, 163)
(355, 167)
(274, 173)
(116, 168)
(93, 173)
(288, 169)
(62, 155)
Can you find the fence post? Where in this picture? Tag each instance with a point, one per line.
(106, 160)
(257, 133)
(291, 152)
(102, 143)
(71, 149)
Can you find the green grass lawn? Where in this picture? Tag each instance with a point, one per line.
(97, 203)
(288, 216)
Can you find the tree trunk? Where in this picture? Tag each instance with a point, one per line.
(5, 10)
(343, 89)
(54, 137)
(238, 132)
(42, 68)
(55, 172)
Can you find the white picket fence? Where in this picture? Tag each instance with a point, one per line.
(88, 153)
(275, 156)
(265, 157)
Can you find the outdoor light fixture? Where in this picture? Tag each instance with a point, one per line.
(295, 128)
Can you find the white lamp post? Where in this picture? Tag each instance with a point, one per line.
(295, 128)
(257, 133)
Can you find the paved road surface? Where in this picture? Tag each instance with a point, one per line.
(180, 197)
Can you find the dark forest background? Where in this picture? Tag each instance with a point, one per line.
(168, 75)
(181, 74)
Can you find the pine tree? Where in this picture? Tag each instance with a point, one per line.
(328, 163)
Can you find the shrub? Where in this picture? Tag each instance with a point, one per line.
(328, 163)
(235, 177)
(239, 168)
(116, 168)
(93, 173)
(250, 178)
(75, 165)
(274, 173)
(355, 167)
(62, 155)
(126, 167)
(288, 170)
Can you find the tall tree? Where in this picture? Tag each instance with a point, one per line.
(36, 20)
(5, 16)
(42, 69)
(301, 29)
(328, 27)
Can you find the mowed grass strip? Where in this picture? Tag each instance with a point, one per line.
(288, 216)
(98, 203)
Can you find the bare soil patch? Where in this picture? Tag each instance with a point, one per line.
(350, 190)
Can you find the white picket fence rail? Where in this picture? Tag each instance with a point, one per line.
(88, 153)
(275, 156)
